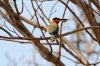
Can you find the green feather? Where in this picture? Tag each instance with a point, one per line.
(52, 38)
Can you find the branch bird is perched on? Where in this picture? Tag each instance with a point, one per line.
(53, 28)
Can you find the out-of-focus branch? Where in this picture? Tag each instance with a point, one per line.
(95, 2)
(64, 40)
(24, 19)
(77, 19)
(17, 41)
(6, 31)
(88, 12)
(47, 38)
(33, 23)
(16, 22)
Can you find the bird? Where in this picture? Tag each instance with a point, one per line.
(53, 28)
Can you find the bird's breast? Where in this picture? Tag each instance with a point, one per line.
(53, 28)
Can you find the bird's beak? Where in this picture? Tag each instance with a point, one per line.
(64, 20)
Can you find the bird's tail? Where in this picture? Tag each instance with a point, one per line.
(52, 38)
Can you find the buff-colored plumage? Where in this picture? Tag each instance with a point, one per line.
(53, 27)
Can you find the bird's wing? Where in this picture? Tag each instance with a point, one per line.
(52, 27)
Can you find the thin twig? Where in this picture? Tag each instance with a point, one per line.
(6, 31)
(39, 24)
(78, 20)
(67, 33)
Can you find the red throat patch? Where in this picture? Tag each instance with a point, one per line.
(57, 21)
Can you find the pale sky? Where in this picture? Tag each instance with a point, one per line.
(12, 52)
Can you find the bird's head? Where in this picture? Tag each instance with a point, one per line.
(57, 20)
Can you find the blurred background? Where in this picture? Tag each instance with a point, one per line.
(23, 53)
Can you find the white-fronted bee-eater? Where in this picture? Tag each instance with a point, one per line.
(53, 28)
